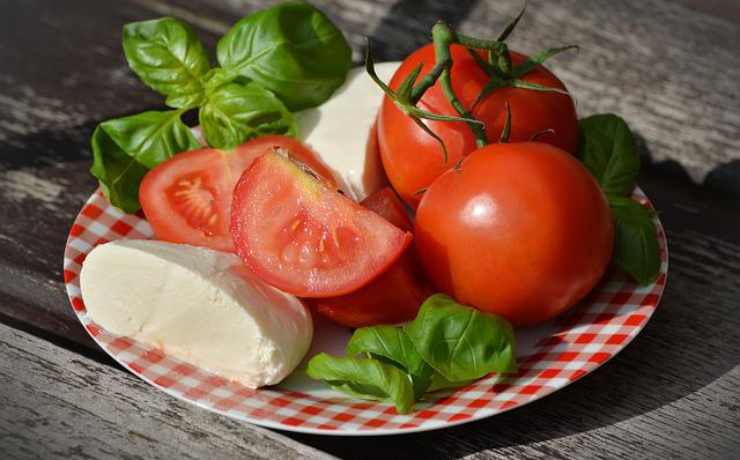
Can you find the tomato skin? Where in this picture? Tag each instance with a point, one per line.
(386, 203)
(302, 236)
(413, 159)
(394, 296)
(521, 230)
(204, 219)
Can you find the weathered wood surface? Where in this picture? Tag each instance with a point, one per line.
(57, 404)
(670, 68)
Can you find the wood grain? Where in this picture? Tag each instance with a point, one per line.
(669, 67)
(57, 404)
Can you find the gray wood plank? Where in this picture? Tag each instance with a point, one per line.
(57, 404)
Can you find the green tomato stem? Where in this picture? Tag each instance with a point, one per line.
(443, 37)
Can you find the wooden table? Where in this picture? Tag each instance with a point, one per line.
(672, 68)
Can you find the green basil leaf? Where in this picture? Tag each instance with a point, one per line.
(364, 378)
(124, 149)
(167, 56)
(438, 382)
(607, 149)
(292, 49)
(459, 342)
(391, 344)
(218, 77)
(236, 112)
(636, 249)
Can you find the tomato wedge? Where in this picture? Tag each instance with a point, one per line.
(187, 199)
(392, 297)
(303, 237)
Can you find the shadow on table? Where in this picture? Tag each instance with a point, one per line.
(690, 342)
(723, 178)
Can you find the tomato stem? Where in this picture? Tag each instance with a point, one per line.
(429, 79)
(443, 37)
(506, 132)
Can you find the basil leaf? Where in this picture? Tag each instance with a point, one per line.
(236, 112)
(636, 249)
(607, 149)
(459, 342)
(292, 49)
(124, 149)
(364, 378)
(391, 344)
(438, 382)
(167, 56)
(217, 77)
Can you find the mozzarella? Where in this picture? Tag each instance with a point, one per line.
(199, 305)
(338, 131)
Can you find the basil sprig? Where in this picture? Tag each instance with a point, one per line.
(235, 112)
(292, 49)
(284, 58)
(448, 345)
(392, 345)
(607, 149)
(636, 249)
(124, 149)
(461, 343)
(364, 378)
(168, 57)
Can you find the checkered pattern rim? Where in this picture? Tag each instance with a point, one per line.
(584, 339)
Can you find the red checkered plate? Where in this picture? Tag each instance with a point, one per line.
(551, 356)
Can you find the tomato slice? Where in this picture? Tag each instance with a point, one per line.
(392, 297)
(303, 237)
(187, 199)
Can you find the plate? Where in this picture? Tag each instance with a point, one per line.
(550, 356)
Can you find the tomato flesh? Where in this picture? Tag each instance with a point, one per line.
(187, 199)
(521, 230)
(392, 297)
(303, 237)
(413, 159)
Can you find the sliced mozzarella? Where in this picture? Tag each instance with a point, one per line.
(199, 305)
(339, 129)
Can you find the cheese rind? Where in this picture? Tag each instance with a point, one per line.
(198, 305)
(339, 129)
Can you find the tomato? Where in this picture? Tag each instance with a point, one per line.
(392, 297)
(413, 159)
(187, 199)
(521, 230)
(385, 203)
(303, 237)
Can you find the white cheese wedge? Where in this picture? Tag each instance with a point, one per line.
(339, 129)
(199, 305)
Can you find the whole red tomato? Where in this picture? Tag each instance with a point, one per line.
(413, 159)
(521, 230)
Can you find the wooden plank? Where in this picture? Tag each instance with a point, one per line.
(57, 404)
